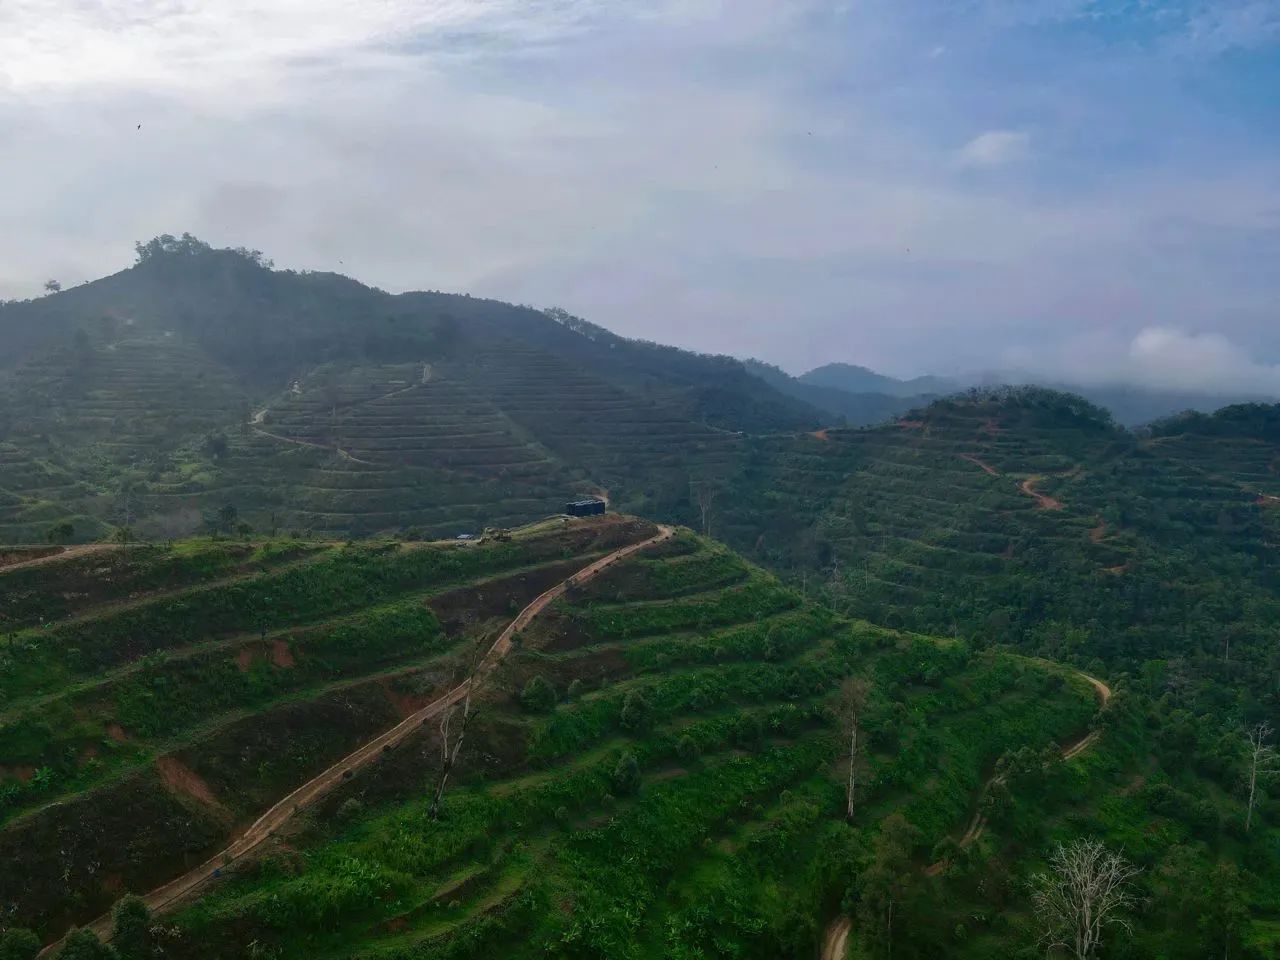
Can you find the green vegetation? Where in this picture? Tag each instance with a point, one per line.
(660, 767)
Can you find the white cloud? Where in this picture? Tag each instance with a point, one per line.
(1166, 357)
(994, 148)
(706, 172)
(55, 44)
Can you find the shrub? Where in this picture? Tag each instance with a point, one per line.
(626, 775)
(18, 943)
(84, 945)
(350, 809)
(687, 749)
(131, 929)
(539, 695)
(575, 689)
(636, 712)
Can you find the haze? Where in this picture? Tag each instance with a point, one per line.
(1087, 190)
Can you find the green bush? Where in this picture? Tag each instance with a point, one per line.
(626, 775)
(131, 930)
(636, 712)
(84, 945)
(18, 943)
(538, 696)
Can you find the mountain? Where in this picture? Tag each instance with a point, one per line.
(1047, 626)
(200, 380)
(848, 409)
(855, 379)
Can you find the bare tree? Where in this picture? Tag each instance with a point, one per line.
(449, 749)
(853, 701)
(1086, 889)
(704, 494)
(1262, 764)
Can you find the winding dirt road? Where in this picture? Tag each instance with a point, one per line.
(974, 460)
(835, 942)
(164, 897)
(979, 822)
(1044, 501)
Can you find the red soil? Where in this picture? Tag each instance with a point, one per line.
(281, 655)
(245, 658)
(182, 779)
(1043, 501)
(972, 459)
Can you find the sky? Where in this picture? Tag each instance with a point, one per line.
(1087, 189)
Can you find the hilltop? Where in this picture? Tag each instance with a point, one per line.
(202, 378)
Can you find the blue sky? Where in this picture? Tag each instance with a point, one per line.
(1085, 189)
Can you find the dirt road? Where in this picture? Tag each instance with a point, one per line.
(972, 459)
(1043, 501)
(835, 944)
(979, 822)
(66, 554)
(164, 897)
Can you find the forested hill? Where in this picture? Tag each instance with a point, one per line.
(201, 379)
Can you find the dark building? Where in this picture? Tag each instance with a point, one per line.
(585, 508)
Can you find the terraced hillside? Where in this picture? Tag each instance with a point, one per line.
(655, 770)
(1006, 521)
(153, 698)
(202, 379)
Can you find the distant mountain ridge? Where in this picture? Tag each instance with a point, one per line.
(856, 379)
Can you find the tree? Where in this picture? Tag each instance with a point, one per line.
(626, 775)
(52, 286)
(449, 750)
(636, 712)
(538, 696)
(704, 495)
(216, 446)
(19, 943)
(131, 929)
(887, 883)
(853, 701)
(1262, 764)
(1086, 889)
(83, 944)
(63, 532)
